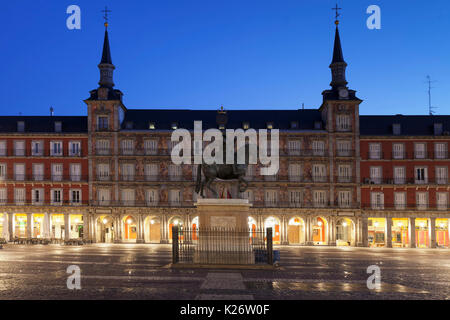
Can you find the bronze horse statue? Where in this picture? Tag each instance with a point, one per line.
(222, 172)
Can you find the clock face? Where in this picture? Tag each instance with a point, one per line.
(343, 93)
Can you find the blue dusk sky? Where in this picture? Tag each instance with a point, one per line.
(242, 54)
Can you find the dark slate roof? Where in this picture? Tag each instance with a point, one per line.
(338, 56)
(44, 124)
(113, 94)
(410, 125)
(106, 56)
(257, 118)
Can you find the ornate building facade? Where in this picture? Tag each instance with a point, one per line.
(344, 179)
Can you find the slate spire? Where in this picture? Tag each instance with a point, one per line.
(338, 65)
(106, 66)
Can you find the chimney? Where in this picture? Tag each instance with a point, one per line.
(51, 111)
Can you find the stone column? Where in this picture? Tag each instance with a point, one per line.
(93, 229)
(86, 226)
(308, 231)
(29, 233)
(163, 229)
(412, 232)
(283, 231)
(388, 234)
(432, 231)
(46, 226)
(332, 231)
(5, 234)
(365, 231)
(11, 225)
(66, 226)
(116, 220)
(140, 225)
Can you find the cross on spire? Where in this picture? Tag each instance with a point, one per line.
(337, 12)
(106, 11)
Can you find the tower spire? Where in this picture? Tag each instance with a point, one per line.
(106, 66)
(338, 65)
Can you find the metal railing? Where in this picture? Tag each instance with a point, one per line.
(410, 181)
(409, 206)
(44, 177)
(221, 246)
(41, 153)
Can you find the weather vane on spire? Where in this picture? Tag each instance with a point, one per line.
(106, 11)
(337, 13)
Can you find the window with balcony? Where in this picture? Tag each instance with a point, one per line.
(441, 175)
(56, 149)
(344, 173)
(345, 199)
(75, 171)
(38, 171)
(37, 196)
(318, 148)
(294, 147)
(151, 146)
(152, 197)
(128, 171)
(248, 194)
(442, 200)
(3, 196)
(295, 198)
(56, 197)
(422, 200)
(400, 200)
(175, 197)
(399, 175)
(102, 123)
(75, 197)
(271, 198)
(2, 171)
(319, 173)
(343, 123)
(250, 172)
(74, 148)
(102, 147)
(3, 148)
(37, 148)
(57, 171)
(103, 171)
(19, 148)
(440, 150)
(421, 175)
(295, 172)
(343, 148)
(376, 175)
(420, 150)
(374, 150)
(128, 197)
(19, 196)
(320, 198)
(151, 171)
(127, 146)
(175, 173)
(398, 151)
(377, 200)
(19, 172)
(104, 197)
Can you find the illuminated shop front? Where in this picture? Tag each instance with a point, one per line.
(152, 230)
(57, 226)
(377, 232)
(442, 235)
(422, 233)
(20, 225)
(3, 225)
(273, 223)
(76, 226)
(319, 231)
(129, 229)
(38, 226)
(345, 232)
(296, 231)
(400, 232)
(105, 229)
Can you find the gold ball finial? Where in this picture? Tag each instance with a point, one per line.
(336, 22)
(106, 24)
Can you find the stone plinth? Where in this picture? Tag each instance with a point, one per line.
(223, 232)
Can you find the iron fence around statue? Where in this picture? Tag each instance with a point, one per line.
(221, 246)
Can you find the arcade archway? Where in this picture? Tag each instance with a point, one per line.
(129, 229)
(104, 229)
(345, 232)
(320, 231)
(152, 230)
(296, 231)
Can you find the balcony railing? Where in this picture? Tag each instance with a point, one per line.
(402, 155)
(409, 181)
(7, 202)
(41, 153)
(46, 178)
(411, 207)
(306, 204)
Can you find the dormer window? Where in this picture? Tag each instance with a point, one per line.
(270, 125)
(221, 127)
(58, 126)
(20, 126)
(246, 125)
(318, 125)
(129, 125)
(151, 125)
(174, 125)
(294, 124)
(396, 129)
(438, 129)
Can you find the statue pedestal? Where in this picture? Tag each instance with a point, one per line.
(223, 232)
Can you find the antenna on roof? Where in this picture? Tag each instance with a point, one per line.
(51, 111)
(430, 107)
(303, 106)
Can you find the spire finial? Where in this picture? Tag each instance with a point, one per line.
(106, 11)
(337, 13)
